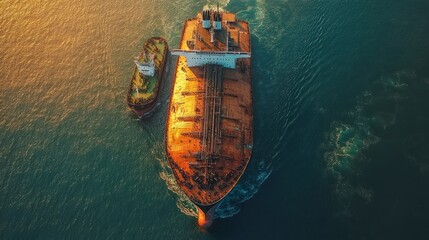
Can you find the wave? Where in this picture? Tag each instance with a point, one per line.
(166, 174)
(246, 188)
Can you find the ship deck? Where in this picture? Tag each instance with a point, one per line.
(144, 88)
(209, 125)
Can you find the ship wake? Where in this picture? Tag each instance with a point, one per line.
(256, 173)
(213, 4)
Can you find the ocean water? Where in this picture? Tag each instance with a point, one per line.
(341, 106)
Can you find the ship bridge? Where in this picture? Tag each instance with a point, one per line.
(197, 58)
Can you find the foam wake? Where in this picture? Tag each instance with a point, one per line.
(166, 174)
(212, 4)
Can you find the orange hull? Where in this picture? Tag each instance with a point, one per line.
(209, 132)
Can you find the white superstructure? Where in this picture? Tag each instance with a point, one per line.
(199, 58)
(147, 69)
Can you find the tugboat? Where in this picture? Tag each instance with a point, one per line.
(209, 132)
(143, 93)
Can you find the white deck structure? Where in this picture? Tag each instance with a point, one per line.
(197, 58)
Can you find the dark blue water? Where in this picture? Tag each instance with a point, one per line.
(341, 104)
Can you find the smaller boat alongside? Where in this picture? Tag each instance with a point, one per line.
(142, 96)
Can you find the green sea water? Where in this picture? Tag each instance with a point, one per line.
(341, 106)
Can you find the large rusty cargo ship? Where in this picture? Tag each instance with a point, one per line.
(147, 76)
(210, 120)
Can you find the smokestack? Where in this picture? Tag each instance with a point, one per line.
(206, 19)
(217, 21)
